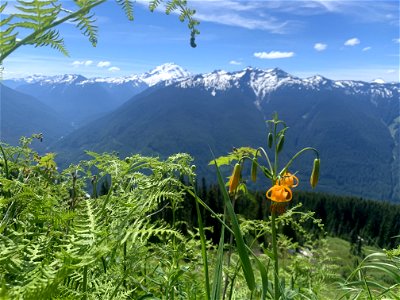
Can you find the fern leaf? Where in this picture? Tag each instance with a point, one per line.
(127, 6)
(51, 38)
(85, 23)
(153, 4)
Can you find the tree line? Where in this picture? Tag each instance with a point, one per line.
(354, 219)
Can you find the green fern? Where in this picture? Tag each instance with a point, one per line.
(127, 6)
(40, 17)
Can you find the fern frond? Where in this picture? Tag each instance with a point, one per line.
(153, 4)
(85, 23)
(127, 6)
(7, 37)
(36, 14)
(142, 230)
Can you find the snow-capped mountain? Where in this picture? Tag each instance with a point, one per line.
(79, 99)
(165, 72)
(354, 124)
(263, 82)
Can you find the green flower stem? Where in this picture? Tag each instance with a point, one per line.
(298, 154)
(275, 253)
(266, 157)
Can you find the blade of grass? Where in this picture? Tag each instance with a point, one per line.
(203, 245)
(264, 277)
(241, 247)
(217, 283)
(262, 269)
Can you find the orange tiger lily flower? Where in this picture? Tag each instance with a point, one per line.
(289, 180)
(279, 193)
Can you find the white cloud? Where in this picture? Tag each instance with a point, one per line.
(397, 41)
(114, 69)
(391, 71)
(273, 55)
(102, 64)
(352, 42)
(78, 63)
(366, 48)
(320, 46)
(234, 62)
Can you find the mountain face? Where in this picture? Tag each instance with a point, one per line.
(353, 124)
(23, 115)
(80, 100)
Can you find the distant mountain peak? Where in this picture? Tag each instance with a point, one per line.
(378, 80)
(279, 72)
(55, 79)
(164, 72)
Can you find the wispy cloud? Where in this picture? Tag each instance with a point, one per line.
(320, 46)
(281, 16)
(273, 55)
(366, 48)
(352, 42)
(397, 41)
(235, 62)
(360, 11)
(270, 24)
(114, 69)
(102, 64)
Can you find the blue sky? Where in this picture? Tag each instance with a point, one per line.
(339, 39)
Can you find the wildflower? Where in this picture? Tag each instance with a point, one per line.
(235, 177)
(279, 193)
(289, 180)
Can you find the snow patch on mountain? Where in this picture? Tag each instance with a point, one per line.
(263, 82)
(260, 82)
(166, 72)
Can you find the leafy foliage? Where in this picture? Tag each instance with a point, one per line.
(35, 22)
(57, 241)
(125, 228)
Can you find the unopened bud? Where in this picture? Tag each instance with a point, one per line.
(254, 170)
(235, 177)
(280, 143)
(315, 173)
(270, 140)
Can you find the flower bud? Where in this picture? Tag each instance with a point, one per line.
(270, 140)
(254, 170)
(280, 143)
(315, 173)
(235, 177)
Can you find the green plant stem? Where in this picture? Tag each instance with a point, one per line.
(203, 250)
(296, 155)
(202, 240)
(125, 253)
(5, 162)
(275, 252)
(229, 258)
(85, 282)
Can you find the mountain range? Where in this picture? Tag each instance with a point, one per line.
(354, 124)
